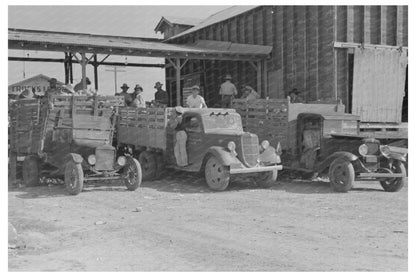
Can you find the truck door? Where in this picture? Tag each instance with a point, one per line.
(194, 145)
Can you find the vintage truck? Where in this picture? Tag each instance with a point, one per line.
(216, 145)
(69, 136)
(320, 138)
(345, 156)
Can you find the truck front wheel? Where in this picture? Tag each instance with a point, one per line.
(133, 174)
(74, 178)
(341, 175)
(217, 175)
(395, 184)
(31, 171)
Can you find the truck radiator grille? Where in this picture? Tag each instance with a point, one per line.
(104, 159)
(250, 147)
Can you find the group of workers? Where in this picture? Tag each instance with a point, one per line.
(135, 99)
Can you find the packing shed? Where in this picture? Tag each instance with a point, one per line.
(354, 53)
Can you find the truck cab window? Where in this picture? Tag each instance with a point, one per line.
(192, 124)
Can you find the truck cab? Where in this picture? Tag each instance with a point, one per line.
(217, 145)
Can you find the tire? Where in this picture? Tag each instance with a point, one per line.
(395, 184)
(341, 175)
(74, 178)
(31, 171)
(267, 179)
(147, 161)
(133, 174)
(160, 166)
(217, 175)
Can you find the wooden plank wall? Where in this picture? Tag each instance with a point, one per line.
(302, 38)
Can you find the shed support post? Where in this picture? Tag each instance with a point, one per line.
(95, 72)
(84, 71)
(71, 75)
(178, 82)
(265, 80)
(259, 90)
(66, 68)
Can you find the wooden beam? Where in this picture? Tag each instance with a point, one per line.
(338, 44)
(383, 25)
(350, 23)
(84, 71)
(399, 31)
(95, 72)
(178, 82)
(367, 24)
(259, 90)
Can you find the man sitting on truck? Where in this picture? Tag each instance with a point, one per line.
(180, 137)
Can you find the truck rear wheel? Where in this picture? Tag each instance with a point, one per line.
(395, 184)
(341, 175)
(31, 171)
(74, 178)
(147, 161)
(133, 174)
(217, 175)
(160, 166)
(266, 179)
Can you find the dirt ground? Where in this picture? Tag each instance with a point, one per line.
(178, 224)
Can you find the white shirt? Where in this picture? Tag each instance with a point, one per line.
(196, 102)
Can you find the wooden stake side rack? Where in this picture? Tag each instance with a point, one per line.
(143, 126)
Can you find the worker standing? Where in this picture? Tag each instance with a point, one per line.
(227, 91)
(161, 96)
(124, 92)
(180, 137)
(137, 96)
(195, 100)
(53, 89)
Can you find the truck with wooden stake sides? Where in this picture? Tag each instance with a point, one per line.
(321, 138)
(216, 145)
(70, 136)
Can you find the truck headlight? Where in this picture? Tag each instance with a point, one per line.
(363, 149)
(231, 146)
(121, 161)
(265, 144)
(385, 150)
(91, 159)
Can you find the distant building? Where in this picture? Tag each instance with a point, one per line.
(38, 84)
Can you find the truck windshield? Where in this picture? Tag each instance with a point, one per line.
(222, 122)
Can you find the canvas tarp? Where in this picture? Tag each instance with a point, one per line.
(378, 84)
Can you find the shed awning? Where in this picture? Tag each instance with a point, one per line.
(133, 46)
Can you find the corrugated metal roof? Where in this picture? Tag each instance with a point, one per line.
(215, 18)
(100, 44)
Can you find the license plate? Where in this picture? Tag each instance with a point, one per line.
(371, 159)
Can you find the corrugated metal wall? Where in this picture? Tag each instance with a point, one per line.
(302, 38)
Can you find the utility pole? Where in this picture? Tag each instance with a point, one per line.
(116, 69)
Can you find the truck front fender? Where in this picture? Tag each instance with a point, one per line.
(76, 158)
(224, 156)
(347, 156)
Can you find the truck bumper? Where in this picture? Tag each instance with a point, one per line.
(246, 170)
(381, 175)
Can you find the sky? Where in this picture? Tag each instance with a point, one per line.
(137, 21)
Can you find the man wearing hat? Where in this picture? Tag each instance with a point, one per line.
(294, 96)
(138, 100)
(161, 96)
(53, 89)
(127, 97)
(195, 100)
(180, 137)
(227, 91)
